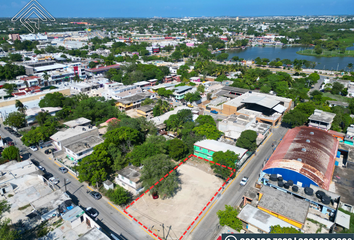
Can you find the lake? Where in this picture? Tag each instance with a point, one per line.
(272, 53)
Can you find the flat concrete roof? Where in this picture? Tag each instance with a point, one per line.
(343, 219)
(322, 116)
(72, 132)
(136, 97)
(131, 172)
(94, 234)
(216, 146)
(77, 122)
(49, 67)
(84, 144)
(35, 110)
(284, 204)
(260, 219)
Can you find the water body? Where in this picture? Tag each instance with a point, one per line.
(272, 53)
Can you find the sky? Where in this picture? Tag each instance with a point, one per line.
(182, 8)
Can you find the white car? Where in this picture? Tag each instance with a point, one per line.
(53, 180)
(41, 168)
(244, 181)
(33, 148)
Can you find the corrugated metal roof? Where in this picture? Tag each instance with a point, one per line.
(279, 108)
(262, 101)
(73, 214)
(317, 161)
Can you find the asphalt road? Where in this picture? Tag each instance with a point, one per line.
(109, 218)
(208, 226)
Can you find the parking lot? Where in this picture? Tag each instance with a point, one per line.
(177, 213)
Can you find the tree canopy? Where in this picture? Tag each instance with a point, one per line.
(247, 140)
(177, 150)
(279, 229)
(154, 169)
(11, 153)
(15, 119)
(228, 159)
(229, 218)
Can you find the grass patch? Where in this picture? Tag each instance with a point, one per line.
(58, 223)
(326, 53)
(24, 207)
(10, 195)
(317, 223)
(336, 97)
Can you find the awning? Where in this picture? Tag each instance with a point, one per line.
(279, 108)
(342, 219)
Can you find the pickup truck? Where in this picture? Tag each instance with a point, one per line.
(244, 181)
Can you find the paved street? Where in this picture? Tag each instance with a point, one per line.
(109, 218)
(207, 227)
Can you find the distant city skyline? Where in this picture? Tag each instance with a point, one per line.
(183, 8)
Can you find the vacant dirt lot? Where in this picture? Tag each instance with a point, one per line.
(179, 212)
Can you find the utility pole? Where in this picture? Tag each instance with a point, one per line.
(65, 184)
(163, 230)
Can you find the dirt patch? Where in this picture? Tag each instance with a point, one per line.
(343, 179)
(200, 164)
(177, 213)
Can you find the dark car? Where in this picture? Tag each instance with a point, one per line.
(47, 175)
(47, 151)
(96, 195)
(92, 212)
(63, 170)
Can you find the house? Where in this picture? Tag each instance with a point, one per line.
(134, 101)
(84, 147)
(337, 103)
(234, 125)
(145, 111)
(72, 135)
(206, 149)
(255, 220)
(195, 79)
(129, 178)
(180, 92)
(322, 120)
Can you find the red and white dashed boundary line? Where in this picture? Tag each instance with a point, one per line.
(195, 220)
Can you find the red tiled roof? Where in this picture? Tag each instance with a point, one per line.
(317, 161)
(29, 78)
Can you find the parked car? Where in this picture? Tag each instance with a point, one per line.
(96, 195)
(244, 181)
(213, 111)
(41, 168)
(53, 180)
(33, 148)
(63, 170)
(92, 212)
(48, 175)
(48, 151)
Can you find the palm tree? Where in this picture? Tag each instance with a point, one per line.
(46, 77)
(350, 65)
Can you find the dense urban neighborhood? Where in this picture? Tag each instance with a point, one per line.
(162, 128)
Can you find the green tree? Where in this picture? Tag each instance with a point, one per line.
(119, 195)
(208, 130)
(46, 77)
(222, 56)
(227, 159)
(20, 107)
(6, 230)
(124, 137)
(229, 218)
(318, 49)
(38, 134)
(177, 150)
(295, 118)
(11, 153)
(55, 99)
(201, 88)
(205, 119)
(165, 93)
(154, 169)
(15, 119)
(147, 102)
(42, 117)
(9, 88)
(337, 88)
(15, 57)
(94, 168)
(279, 229)
(247, 140)
(192, 97)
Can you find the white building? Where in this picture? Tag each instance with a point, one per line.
(129, 178)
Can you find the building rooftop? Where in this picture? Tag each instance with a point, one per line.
(84, 144)
(49, 67)
(182, 89)
(131, 172)
(94, 234)
(73, 214)
(77, 122)
(260, 219)
(146, 108)
(135, 98)
(338, 103)
(216, 146)
(71, 132)
(99, 69)
(35, 110)
(322, 116)
(308, 151)
(284, 204)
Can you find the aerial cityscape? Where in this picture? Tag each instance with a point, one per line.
(193, 120)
